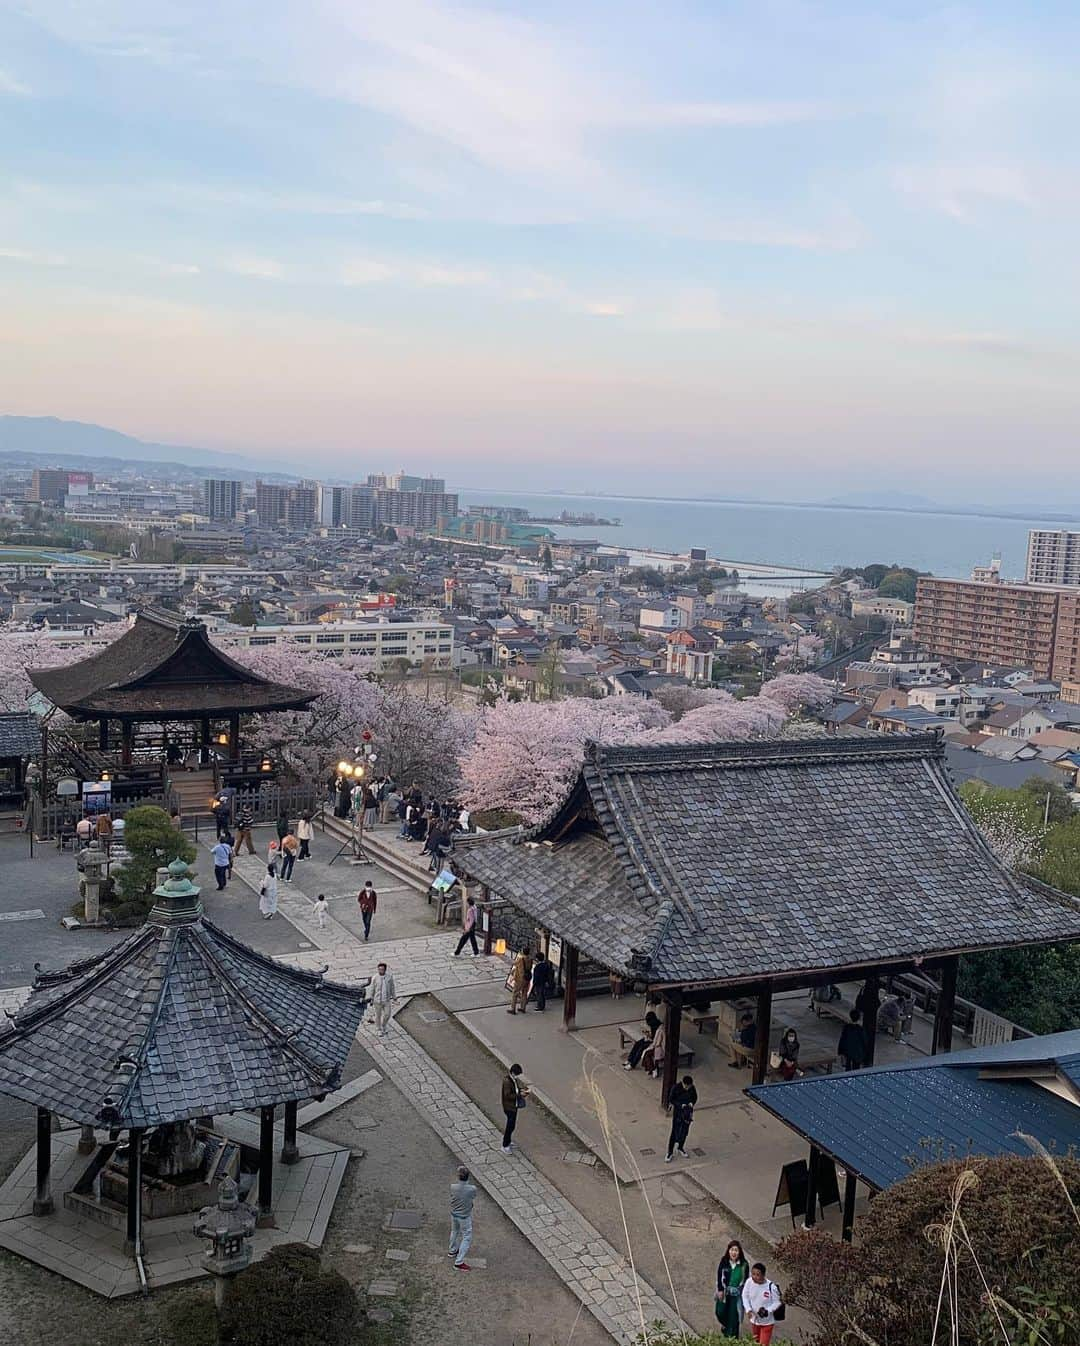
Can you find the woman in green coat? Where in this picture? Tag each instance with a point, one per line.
(731, 1275)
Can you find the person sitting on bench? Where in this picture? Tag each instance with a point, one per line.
(745, 1037)
(648, 1032)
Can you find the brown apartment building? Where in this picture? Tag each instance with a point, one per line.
(1034, 626)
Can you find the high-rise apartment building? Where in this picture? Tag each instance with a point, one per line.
(222, 498)
(287, 506)
(1019, 625)
(1053, 556)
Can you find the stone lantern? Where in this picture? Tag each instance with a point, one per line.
(228, 1225)
(93, 869)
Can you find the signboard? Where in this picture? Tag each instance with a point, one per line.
(555, 950)
(791, 1191)
(828, 1187)
(97, 796)
(67, 788)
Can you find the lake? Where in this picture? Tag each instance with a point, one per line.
(811, 537)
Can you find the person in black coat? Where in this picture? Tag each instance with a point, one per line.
(541, 979)
(852, 1045)
(681, 1101)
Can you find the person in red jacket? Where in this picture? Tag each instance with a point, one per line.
(368, 900)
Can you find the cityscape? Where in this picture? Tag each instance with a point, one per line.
(507, 514)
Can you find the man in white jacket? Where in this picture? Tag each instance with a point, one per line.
(382, 995)
(761, 1299)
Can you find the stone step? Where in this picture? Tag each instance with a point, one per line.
(382, 850)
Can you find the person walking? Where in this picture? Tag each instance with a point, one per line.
(268, 894)
(681, 1100)
(245, 821)
(789, 1055)
(221, 816)
(851, 1047)
(649, 1029)
(290, 848)
(368, 901)
(468, 930)
(319, 908)
(760, 1298)
(222, 853)
(514, 1095)
(462, 1197)
(305, 834)
(382, 994)
(731, 1275)
(519, 982)
(542, 974)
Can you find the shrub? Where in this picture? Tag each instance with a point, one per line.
(151, 840)
(1017, 1235)
(289, 1299)
(193, 1322)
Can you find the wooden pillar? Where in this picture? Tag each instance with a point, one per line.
(289, 1152)
(485, 894)
(43, 1202)
(870, 1000)
(672, 1026)
(761, 1042)
(103, 734)
(810, 1218)
(849, 1206)
(266, 1162)
(134, 1192)
(204, 743)
(946, 1005)
(234, 736)
(569, 1004)
(127, 730)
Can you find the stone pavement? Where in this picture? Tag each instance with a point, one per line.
(601, 1277)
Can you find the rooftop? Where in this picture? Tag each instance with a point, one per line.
(730, 862)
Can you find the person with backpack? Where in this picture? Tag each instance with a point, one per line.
(762, 1304)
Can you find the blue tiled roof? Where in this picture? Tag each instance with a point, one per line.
(880, 1123)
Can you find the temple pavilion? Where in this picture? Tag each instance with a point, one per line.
(163, 683)
(723, 871)
(145, 1044)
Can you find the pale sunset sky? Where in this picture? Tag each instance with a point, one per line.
(765, 247)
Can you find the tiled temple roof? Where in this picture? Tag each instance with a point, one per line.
(726, 862)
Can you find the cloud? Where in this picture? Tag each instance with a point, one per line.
(734, 115)
(602, 309)
(32, 258)
(959, 188)
(259, 268)
(15, 87)
(288, 202)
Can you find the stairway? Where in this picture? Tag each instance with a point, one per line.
(396, 860)
(193, 791)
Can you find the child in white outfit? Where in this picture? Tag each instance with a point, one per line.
(320, 910)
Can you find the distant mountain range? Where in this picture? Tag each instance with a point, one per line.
(29, 439)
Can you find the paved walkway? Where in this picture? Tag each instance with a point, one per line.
(598, 1275)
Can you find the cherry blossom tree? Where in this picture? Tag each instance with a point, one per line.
(680, 699)
(20, 650)
(805, 650)
(798, 691)
(525, 754)
(754, 717)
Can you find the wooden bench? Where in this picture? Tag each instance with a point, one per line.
(833, 1009)
(629, 1034)
(705, 1023)
(812, 1063)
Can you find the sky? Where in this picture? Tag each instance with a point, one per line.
(776, 248)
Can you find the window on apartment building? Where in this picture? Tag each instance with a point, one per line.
(330, 639)
(263, 640)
